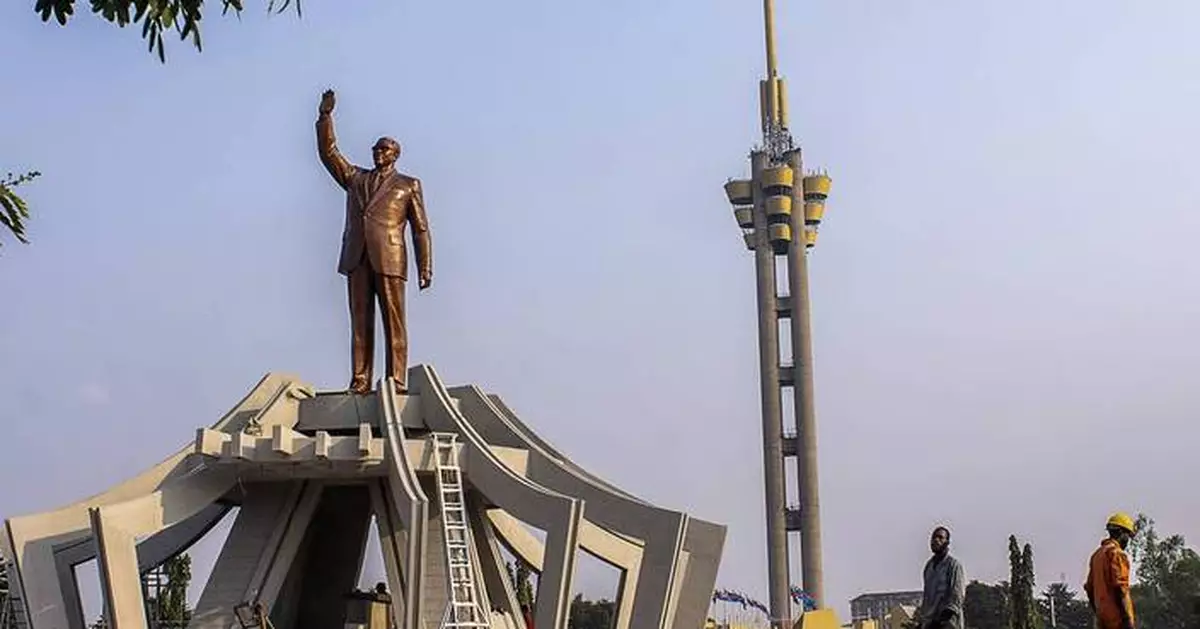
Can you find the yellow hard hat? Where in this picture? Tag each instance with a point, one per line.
(1121, 520)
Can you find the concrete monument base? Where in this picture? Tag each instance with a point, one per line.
(449, 476)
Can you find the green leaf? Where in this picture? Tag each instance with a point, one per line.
(14, 214)
(44, 8)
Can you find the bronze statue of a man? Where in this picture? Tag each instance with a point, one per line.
(374, 259)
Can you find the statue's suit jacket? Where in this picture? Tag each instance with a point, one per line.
(375, 221)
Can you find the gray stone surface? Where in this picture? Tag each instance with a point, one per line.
(334, 411)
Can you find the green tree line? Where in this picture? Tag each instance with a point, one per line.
(1166, 591)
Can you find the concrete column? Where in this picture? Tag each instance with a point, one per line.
(812, 575)
(333, 555)
(772, 410)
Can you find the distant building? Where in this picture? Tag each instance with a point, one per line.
(876, 605)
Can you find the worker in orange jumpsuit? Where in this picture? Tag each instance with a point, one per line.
(1107, 583)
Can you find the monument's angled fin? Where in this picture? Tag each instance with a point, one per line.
(557, 514)
(702, 549)
(116, 528)
(661, 531)
(150, 553)
(404, 508)
(702, 544)
(34, 539)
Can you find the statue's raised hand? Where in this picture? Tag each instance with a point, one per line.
(328, 100)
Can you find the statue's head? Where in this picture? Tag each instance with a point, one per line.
(385, 152)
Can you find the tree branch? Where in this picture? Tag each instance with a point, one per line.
(154, 16)
(13, 209)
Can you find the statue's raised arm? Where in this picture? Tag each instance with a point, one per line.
(338, 166)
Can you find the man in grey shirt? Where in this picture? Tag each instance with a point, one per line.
(945, 586)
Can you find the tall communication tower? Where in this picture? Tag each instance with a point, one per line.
(779, 210)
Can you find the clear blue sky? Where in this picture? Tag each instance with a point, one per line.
(1005, 290)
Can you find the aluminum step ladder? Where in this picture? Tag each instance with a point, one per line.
(463, 609)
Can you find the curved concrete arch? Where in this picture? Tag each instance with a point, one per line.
(116, 528)
(557, 514)
(32, 538)
(409, 506)
(150, 553)
(661, 530)
(703, 542)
